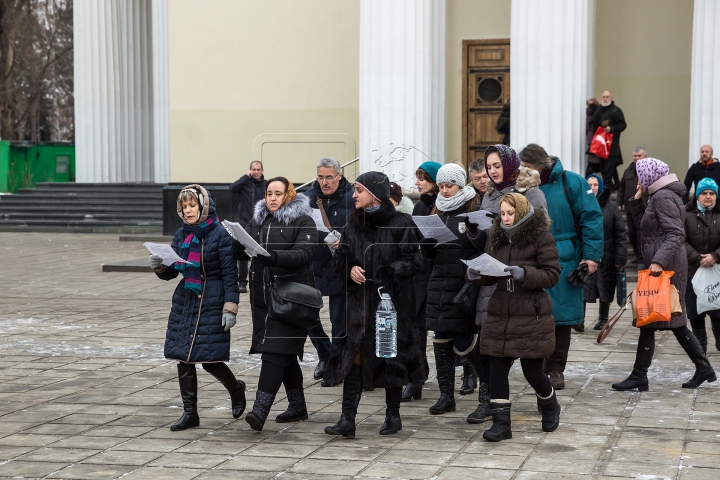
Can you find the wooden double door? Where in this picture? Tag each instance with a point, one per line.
(486, 88)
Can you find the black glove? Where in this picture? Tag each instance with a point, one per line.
(427, 247)
(269, 261)
(578, 275)
(386, 276)
(238, 250)
(472, 228)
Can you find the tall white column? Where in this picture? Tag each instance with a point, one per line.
(402, 86)
(705, 81)
(114, 93)
(552, 74)
(161, 91)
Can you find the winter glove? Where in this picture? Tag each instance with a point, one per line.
(268, 261)
(228, 320)
(386, 276)
(238, 251)
(427, 247)
(578, 275)
(518, 273)
(472, 228)
(155, 262)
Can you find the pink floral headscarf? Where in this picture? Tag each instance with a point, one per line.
(650, 170)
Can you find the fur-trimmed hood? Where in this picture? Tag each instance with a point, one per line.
(527, 179)
(522, 236)
(286, 214)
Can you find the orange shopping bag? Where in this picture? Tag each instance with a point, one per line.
(653, 301)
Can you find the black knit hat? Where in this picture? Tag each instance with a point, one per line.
(377, 183)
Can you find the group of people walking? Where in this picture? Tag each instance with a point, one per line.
(547, 225)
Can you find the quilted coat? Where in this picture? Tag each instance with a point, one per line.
(702, 234)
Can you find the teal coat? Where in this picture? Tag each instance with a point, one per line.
(567, 300)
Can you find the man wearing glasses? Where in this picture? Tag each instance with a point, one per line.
(333, 193)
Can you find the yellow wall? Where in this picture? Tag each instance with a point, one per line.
(244, 68)
(467, 20)
(643, 54)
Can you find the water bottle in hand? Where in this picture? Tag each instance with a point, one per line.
(385, 327)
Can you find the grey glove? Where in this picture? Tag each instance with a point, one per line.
(518, 273)
(155, 262)
(228, 320)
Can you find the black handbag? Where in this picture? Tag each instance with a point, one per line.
(466, 298)
(294, 304)
(621, 286)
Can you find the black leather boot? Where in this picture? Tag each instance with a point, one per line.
(550, 412)
(482, 412)
(261, 408)
(413, 391)
(352, 388)
(470, 379)
(297, 409)
(501, 429)
(392, 423)
(187, 377)
(445, 366)
(703, 370)
(715, 323)
(604, 314)
(643, 358)
(698, 329)
(235, 387)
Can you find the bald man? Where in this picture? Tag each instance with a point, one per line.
(707, 166)
(611, 118)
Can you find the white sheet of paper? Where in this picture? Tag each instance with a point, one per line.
(238, 233)
(431, 226)
(487, 265)
(481, 218)
(319, 224)
(165, 252)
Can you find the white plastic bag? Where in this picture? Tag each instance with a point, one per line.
(706, 284)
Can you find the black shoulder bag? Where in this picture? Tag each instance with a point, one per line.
(294, 304)
(576, 222)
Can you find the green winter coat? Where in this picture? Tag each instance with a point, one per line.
(567, 300)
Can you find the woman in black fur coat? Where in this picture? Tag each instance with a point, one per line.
(379, 249)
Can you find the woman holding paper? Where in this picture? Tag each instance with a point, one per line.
(282, 224)
(519, 322)
(204, 304)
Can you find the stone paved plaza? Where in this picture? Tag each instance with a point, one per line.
(85, 393)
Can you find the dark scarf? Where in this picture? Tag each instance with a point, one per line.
(510, 163)
(545, 176)
(428, 199)
(190, 250)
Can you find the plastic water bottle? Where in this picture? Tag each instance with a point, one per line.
(385, 327)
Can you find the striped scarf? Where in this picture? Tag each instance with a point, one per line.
(190, 250)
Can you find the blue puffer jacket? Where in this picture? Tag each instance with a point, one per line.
(337, 207)
(194, 335)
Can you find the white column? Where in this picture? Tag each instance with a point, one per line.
(402, 86)
(113, 91)
(552, 74)
(161, 91)
(705, 81)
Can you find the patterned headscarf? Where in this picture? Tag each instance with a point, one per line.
(650, 170)
(510, 163)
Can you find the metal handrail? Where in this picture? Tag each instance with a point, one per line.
(341, 166)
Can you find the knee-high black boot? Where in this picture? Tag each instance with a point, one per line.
(187, 377)
(698, 329)
(413, 390)
(445, 366)
(352, 388)
(482, 412)
(235, 387)
(703, 370)
(643, 358)
(392, 423)
(603, 317)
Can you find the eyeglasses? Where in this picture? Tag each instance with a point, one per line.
(327, 179)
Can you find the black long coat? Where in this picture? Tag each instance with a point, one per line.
(616, 121)
(291, 234)
(602, 283)
(421, 280)
(373, 240)
(702, 234)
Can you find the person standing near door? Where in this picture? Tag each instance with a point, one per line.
(611, 118)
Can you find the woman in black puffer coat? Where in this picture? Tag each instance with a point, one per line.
(602, 283)
(282, 224)
(204, 304)
(455, 330)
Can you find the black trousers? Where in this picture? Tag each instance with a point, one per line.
(558, 359)
(532, 370)
(276, 371)
(242, 270)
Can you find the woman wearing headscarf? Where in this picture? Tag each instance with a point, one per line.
(204, 304)
(505, 175)
(455, 330)
(601, 284)
(661, 227)
(519, 323)
(702, 243)
(282, 224)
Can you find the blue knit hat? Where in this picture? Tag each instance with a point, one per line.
(706, 184)
(431, 168)
(601, 186)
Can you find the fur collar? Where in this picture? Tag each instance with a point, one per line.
(286, 214)
(371, 221)
(527, 179)
(524, 235)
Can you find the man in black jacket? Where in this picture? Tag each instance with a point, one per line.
(251, 188)
(611, 118)
(628, 187)
(707, 166)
